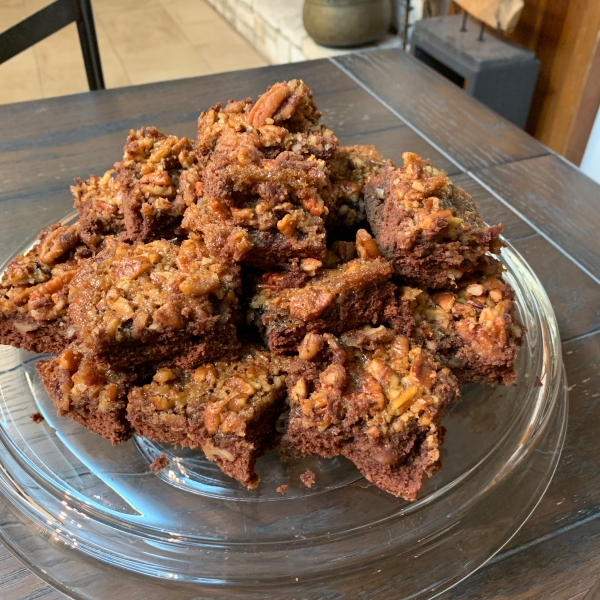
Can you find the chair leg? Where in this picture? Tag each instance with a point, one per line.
(89, 45)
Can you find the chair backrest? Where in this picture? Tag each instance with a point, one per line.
(49, 20)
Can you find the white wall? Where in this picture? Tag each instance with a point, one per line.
(590, 164)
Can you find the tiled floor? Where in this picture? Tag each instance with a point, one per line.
(140, 41)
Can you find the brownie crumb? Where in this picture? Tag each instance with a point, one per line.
(538, 382)
(308, 478)
(159, 463)
(36, 417)
(282, 489)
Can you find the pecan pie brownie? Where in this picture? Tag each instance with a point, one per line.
(99, 203)
(264, 213)
(351, 294)
(473, 330)
(374, 397)
(34, 291)
(228, 409)
(86, 392)
(265, 178)
(132, 304)
(430, 229)
(158, 177)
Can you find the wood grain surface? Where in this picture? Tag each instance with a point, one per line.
(560, 567)
(465, 129)
(554, 196)
(574, 295)
(549, 210)
(392, 142)
(17, 582)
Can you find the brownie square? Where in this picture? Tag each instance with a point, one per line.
(265, 181)
(228, 409)
(375, 398)
(89, 394)
(132, 304)
(428, 228)
(351, 294)
(34, 291)
(473, 330)
(99, 203)
(157, 177)
(238, 240)
(262, 214)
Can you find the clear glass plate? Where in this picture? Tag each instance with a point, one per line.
(93, 520)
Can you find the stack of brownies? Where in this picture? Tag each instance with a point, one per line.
(265, 275)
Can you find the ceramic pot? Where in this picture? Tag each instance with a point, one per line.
(347, 23)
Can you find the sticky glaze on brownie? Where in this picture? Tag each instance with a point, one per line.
(158, 176)
(373, 397)
(99, 203)
(334, 300)
(155, 301)
(92, 395)
(430, 229)
(264, 212)
(227, 408)
(34, 291)
(349, 170)
(473, 330)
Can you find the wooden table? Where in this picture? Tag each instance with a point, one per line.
(551, 213)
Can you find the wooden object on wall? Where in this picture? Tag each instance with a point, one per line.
(565, 37)
(498, 14)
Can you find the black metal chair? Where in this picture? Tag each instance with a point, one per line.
(49, 20)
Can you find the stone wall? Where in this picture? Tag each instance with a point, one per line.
(275, 29)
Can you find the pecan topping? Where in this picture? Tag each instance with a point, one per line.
(310, 303)
(58, 242)
(366, 246)
(266, 106)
